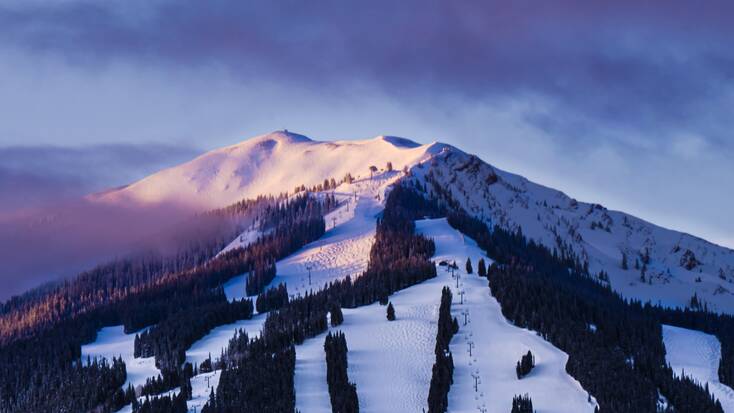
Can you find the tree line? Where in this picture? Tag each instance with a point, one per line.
(257, 374)
(442, 375)
(46, 355)
(622, 360)
(342, 393)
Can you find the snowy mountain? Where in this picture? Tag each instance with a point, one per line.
(178, 335)
(269, 164)
(663, 266)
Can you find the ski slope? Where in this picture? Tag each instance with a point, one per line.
(391, 362)
(497, 344)
(343, 250)
(696, 355)
(113, 342)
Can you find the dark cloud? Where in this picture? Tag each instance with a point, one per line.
(651, 63)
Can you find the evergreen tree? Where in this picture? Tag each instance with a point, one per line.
(482, 268)
(342, 393)
(525, 365)
(469, 269)
(337, 317)
(390, 312)
(443, 368)
(522, 404)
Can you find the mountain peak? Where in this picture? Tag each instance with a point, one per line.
(281, 136)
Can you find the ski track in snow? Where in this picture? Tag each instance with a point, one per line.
(343, 250)
(391, 362)
(497, 344)
(697, 354)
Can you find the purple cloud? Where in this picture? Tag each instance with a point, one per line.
(643, 63)
(48, 231)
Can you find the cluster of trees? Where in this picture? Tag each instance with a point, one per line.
(68, 389)
(171, 337)
(525, 365)
(622, 361)
(44, 351)
(113, 282)
(443, 369)
(342, 393)
(257, 374)
(161, 404)
(259, 277)
(329, 183)
(522, 404)
(272, 299)
(288, 226)
(170, 379)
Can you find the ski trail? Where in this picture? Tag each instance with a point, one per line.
(697, 354)
(484, 377)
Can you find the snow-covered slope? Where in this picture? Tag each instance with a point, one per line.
(696, 355)
(676, 265)
(113, 342)
(269, 164)
(391, 362)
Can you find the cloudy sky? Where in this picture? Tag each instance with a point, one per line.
(630, 105)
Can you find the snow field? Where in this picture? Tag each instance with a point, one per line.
(391, 362)
(697, 354)
(343, 250)
(113, 342)
(496, 344)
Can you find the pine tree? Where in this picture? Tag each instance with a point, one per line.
(624, 261)
(525, 365)
(469, 269)
(336, 315)
(522, 404)
(482, 270)
(390, 312)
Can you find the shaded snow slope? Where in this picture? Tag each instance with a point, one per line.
(679, 264)
(113, 342)
(269, 164)
(697, 355)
